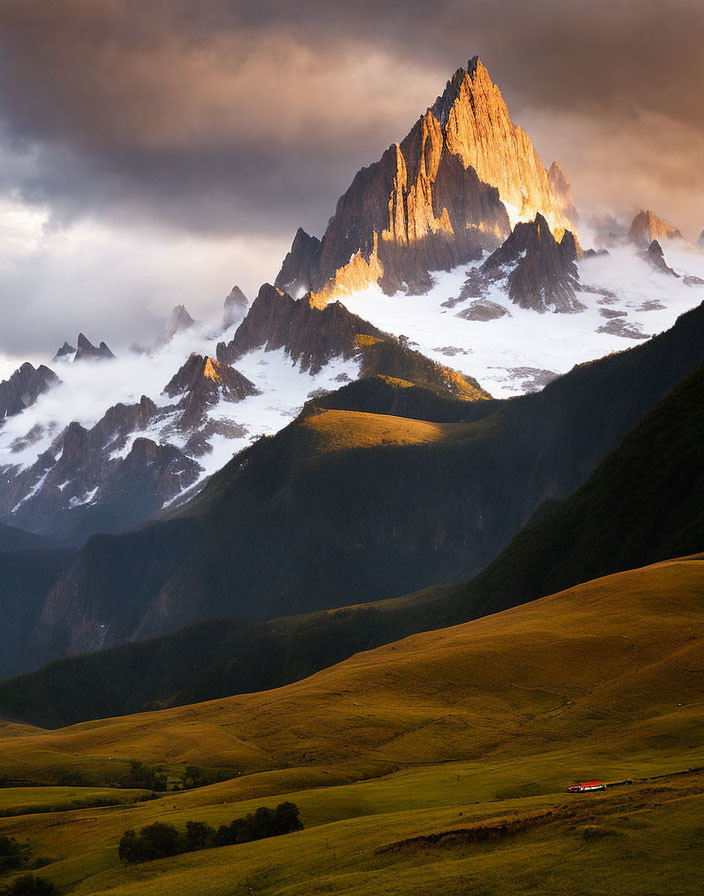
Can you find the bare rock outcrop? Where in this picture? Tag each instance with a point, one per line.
(64, 353)
(24, 387)
(309, 334)
(433, 201)
(86, 351)
(235, 307)
(536, 270)
(655, 257)
(647, 227)
(201, 383)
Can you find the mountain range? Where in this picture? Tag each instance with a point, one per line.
(411, 543)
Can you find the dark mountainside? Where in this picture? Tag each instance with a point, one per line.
(313, 336)
(634, 510)
(537, 271)
(432, 201)
(14, 539)
(86, 351)
(342, 507)
(24, 387)
(26, 576)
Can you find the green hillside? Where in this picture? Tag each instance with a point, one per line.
(293, 526)
(441, 759)
(635, 509)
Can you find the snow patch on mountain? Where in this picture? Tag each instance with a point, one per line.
(625, 300)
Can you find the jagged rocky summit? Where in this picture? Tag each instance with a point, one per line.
(86, 351)
(235, 307)
(65, 353)
(700, 241)
(177, 322)
(24, 387)
(536, 271)
(452, 188)
(647, 227)
(133, 460)
(655, 257)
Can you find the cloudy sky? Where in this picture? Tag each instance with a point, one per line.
(156, 153)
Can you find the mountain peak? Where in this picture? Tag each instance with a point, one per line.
(235, 307)
(87, 351)
(647, 226)
(177, 322)
(24, 387)
(64, 353)
(451, 188)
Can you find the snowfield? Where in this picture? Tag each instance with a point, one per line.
(523, 350)
(625, 301)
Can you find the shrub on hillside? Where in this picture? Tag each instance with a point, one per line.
(13, 854)
(158, 840)
(29, 885)
(145, 776)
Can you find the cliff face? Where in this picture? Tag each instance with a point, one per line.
(312, 336)
(536, 270)
(24, 387)
(647, 227)
(433, 201)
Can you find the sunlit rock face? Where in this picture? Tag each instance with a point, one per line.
(452, 188)
(647, 226)
(310, 335)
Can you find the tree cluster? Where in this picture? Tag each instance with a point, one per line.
(13, 855)
(29, 885)
(158, 840)
(145, 776)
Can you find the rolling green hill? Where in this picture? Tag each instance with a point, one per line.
(442, 759)
(645, 502)
(308, 520)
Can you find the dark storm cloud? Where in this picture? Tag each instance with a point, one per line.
(242, 116)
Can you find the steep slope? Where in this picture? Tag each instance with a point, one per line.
(647, 226)
(416, 767)
(636, 508)
(24, 387)
(14, 539)
(612, 657)
(537, 272)
(434, 200)
(312, 336)
(389, 504)
(26, 575)
(87, 351)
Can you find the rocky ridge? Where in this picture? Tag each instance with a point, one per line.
(126, 467)
(535, 270)
(433, 201)
(23, 388)
(86, 351)
(647, 227)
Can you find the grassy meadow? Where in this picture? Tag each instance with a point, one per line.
(437, 764)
